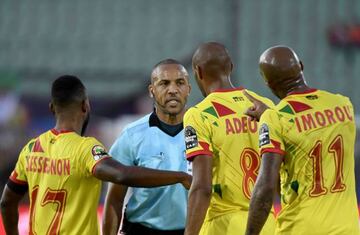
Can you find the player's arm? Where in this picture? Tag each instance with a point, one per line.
(111, 170)
(113, 208)
(263, 194)
(257, 109)
(9, 207)
(199, 194)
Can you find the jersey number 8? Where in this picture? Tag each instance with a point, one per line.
(249, 163)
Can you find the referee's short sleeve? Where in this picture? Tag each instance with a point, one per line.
(121, 149)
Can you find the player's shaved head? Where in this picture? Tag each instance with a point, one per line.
(213, 58)
(279, 63)
(67, 90)
(157, 69)
(212, 67)
(282, 70)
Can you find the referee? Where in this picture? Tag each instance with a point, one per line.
(154, 141)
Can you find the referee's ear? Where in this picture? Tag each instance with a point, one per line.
(151, 91)
(52, 108)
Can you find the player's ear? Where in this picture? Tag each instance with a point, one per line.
(84, 106)
(52, 108)
(302, 66)
(198, 72)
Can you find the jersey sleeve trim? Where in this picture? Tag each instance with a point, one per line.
(93, 168)
(272, 150)
(190, 156)
(20, 189)
(15, 180)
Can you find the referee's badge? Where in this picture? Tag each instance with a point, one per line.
(98, 152)
(264, 137)
(191, 140)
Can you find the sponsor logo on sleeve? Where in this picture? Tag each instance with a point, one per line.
(191, 140)
(98, 152)
(264, 137)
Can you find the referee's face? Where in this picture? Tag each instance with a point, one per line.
(170, 88)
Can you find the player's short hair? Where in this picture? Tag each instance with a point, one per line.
(67, 90)
(167, 61)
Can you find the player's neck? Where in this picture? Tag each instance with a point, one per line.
(295, 85)
(68, 123)
(169, 118)
(219, 84)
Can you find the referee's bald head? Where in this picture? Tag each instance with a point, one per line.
(156, 69)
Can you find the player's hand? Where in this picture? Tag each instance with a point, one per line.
(258, 108)
(187, 181)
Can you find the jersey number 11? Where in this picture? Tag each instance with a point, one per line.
(336, 148)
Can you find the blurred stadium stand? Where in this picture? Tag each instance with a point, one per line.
(112, 45)
(302, 25)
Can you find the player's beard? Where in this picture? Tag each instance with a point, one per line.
(85, 124)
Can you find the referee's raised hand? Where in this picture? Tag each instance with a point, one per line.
(258, 108)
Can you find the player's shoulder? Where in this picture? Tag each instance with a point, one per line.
(30, 144)
(85, 142)
(336, 96)
(206, 102)
(315, 94)
(195, 111)
(264, 99)
(89, 146)
(27, 148)
(254, 94)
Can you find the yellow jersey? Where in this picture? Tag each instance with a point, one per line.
(57, 167)
(218, 127)
(315, 132)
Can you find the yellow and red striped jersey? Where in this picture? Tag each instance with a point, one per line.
(315, 132)
(57, 167)
(217, 127)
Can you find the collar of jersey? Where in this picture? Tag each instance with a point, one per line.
(155, 121)
(229, 89)
(56, 132)
(302, 92)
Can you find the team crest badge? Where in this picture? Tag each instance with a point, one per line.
(264, 137)
(191, 140)
(98, 152)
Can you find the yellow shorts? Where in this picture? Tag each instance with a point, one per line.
(234, 224)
